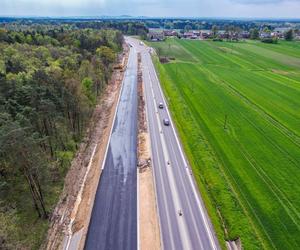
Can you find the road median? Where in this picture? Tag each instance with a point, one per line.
(149, 231)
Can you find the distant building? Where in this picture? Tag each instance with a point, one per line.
(205, 34)
(245, 34)
(189, 35)
(156, 36)
(297, 35)
(222, 34)
(264, 35)
(281, 30)
(170, 33)
(197, 33)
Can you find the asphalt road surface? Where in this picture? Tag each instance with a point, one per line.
(113, 223)
(176, 191)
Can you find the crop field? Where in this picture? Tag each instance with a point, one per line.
(237, 109)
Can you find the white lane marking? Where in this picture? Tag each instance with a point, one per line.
(138, 183)
(207, 227)
(162, 186)
(183, 181)
(181, 178)
(116, 111)
(78, 199)
(182, 223)
(151, 153)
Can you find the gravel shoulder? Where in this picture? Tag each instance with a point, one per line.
(149, 230)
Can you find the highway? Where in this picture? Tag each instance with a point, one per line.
(176, 190)
(113, 224)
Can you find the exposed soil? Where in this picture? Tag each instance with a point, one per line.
(149, 231)
(234, 244)
(164, 60)
(74, 208)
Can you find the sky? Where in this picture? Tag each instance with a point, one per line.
(153, 8)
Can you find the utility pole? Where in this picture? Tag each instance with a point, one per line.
(225, 122)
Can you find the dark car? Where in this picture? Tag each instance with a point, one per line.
(161, 105)
(166, 122)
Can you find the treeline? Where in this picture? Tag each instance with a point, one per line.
(208, 24)
(137, 27)
(49, 83)
(126, 27)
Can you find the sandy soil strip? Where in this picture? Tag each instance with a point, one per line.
(149, 231)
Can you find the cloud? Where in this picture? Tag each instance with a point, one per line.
(154, 8)
(262, 2)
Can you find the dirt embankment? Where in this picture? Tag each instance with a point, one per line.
(149, 231)
(74, 208)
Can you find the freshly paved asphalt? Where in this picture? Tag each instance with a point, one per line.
(113, 223)
(175, 186)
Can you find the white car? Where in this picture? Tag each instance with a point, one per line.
(166, 122)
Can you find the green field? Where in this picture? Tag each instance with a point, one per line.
(249, 171)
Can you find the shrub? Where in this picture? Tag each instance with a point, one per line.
(269, 40)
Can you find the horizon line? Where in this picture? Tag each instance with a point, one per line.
(101, 17)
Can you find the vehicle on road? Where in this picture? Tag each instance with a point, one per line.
(161, 105)
(166, 122)
(180, 212)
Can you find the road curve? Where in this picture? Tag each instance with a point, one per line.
(113, 224)
(175, 186)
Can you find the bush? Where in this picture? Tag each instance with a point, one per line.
(269, 40)
(218, 40)
(289, 35)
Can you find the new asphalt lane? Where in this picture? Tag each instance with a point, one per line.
(113, 224)
(184, 222)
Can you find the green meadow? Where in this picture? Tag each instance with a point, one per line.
(236, 106)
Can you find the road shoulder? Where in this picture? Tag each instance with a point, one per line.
(149, 231)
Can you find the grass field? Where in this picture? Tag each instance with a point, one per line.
(249, 171)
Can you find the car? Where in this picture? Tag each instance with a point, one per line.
(161, 105)
(166, 122)
(180, 212)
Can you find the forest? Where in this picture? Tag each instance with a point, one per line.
(51, 77)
